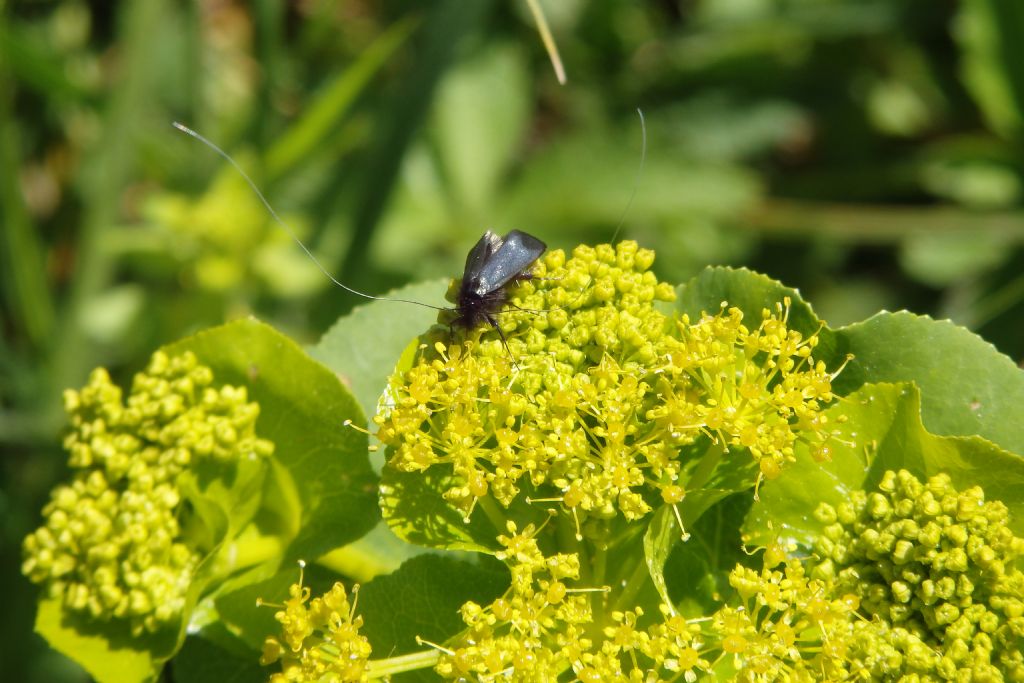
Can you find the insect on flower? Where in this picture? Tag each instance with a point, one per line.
(493, 265)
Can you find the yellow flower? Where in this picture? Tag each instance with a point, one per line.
(600, 400)
(543, 626)
(786, 625)
(320, 638)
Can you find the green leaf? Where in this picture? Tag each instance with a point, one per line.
(320, 464)
(33, 60)
(108, 651)
(716, 475)
(942, 260)
(710, 480)
(967, 386)
(363, 347)
(714, 126)
(328, 110)
(223, 500)
(300, 400)
(696, 572)
(480, 127)
(28, 302)
(378, 552)
(595, 169)
(883, 431)
(659, 539)
(217, 656)
(413, 506)
(423, 598)
(444, 24)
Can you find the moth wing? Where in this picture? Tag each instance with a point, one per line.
(513, 256)
(480, 254)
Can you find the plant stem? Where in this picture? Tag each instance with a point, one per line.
(494, 515)
(380, 668)
(599, 558)
(997, 302)
(102, 178)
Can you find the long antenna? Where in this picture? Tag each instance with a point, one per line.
(632, 194)
(636, 178)
(277, 219)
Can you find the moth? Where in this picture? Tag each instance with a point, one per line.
(492, 266)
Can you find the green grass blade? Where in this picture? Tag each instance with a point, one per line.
(26, 295)
(328, 111)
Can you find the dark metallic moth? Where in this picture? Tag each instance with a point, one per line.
(492, 265)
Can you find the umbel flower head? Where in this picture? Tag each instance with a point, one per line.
(785, 626)
(111, 545)
(320, 638)
(543, 626)
(606, 394)
(913, 582)
(934, 567)
(834, 617)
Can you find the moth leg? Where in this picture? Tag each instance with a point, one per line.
(531, 310)
(494, 323)
(529, 277)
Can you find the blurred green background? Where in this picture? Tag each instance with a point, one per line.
(865, 151)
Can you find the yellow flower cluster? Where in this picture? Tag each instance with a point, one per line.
(936, 567)
(320, 640)
(110, 546)
(541, 627)
(758, 388)
(787, 626)
(912, 582)
(822, 618)
(603, 392)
